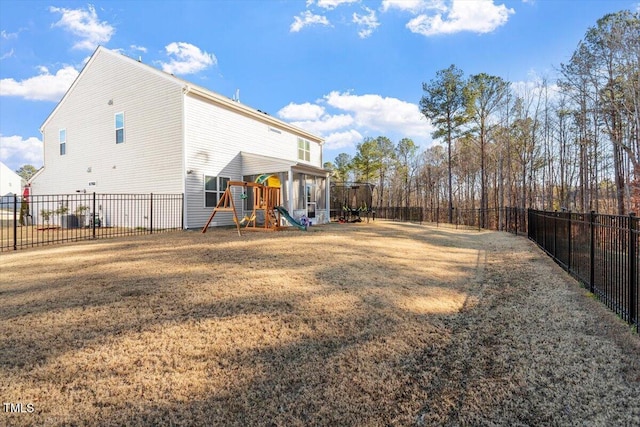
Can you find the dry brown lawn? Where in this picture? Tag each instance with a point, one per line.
(353, 324)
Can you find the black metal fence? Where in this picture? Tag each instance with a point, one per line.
(513, 220)
(47, 219)
(601, 251)
(411, 214)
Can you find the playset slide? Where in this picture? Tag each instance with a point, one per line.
(289, 218)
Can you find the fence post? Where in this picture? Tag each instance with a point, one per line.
(633, 269)
(15, 222)
(544, 216)
(151, 214)
(569, 225)
(592, 251)
(555, 234)
(93, 215)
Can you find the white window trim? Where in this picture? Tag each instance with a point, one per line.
(61, 142)
(219, 192)
(306, 150)
(115, 123)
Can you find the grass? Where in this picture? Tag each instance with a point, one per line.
(42, 235)
(353, 324)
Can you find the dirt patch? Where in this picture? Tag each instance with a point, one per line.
(353, 324)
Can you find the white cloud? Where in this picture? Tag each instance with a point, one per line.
(8, 36)
(326, 123)
(305, 19)
(138, 48)
(353, 116)
(382, 114)
(43, 87)
(85, 25)
(413, 6)
(187, 59)
(304, 111)
(479, 16)
(332, 4)
(16, 151)
(7, 55)
(368, 23)
(346, 139)
(534, 88)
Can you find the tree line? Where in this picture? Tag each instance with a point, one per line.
(572, 144)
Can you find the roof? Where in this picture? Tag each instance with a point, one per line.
(273, 165)
(194, 90)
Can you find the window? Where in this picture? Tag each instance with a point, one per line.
(304, 153)
(62, 139)
(214, 187)
(119, 128)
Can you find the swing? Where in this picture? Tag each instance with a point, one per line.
(245, 219)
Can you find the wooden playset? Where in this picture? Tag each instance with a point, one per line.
(266, 212)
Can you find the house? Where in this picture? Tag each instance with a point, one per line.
(126, 127)
(10, 184)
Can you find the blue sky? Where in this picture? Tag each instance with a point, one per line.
(343, 69)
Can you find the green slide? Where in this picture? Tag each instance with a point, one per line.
(289, 218)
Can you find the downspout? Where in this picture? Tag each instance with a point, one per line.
(327, 201)
(185, 198)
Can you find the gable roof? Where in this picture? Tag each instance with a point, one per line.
(194, 90)
(8, 179)
(87, 66)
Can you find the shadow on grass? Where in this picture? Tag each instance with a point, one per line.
(341, 348)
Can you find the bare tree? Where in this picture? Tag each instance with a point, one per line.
(484, 95)
(443, 103)
(604, 69)
(406, 151)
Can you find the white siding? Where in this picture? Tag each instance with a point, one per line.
(315, 154)
(10, 182)
(150, 159)
(256, 165)
(211, 148)
(214, 138)
(170, 128)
